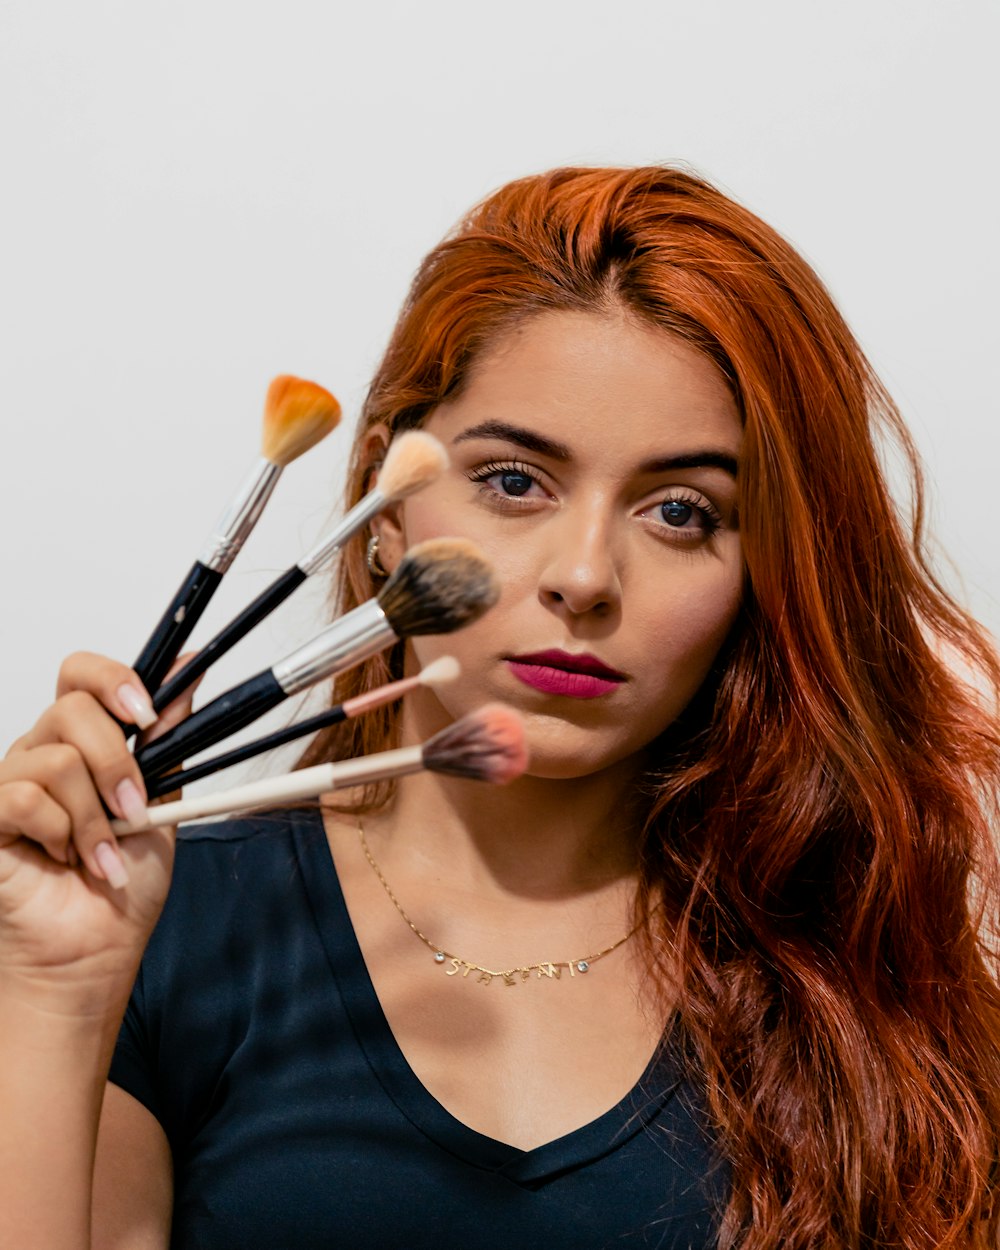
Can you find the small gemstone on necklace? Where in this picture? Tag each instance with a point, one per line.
(582, 966)
(439, 957)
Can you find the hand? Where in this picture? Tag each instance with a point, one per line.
(77, 906)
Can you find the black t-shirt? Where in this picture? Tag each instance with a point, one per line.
(255, 1037)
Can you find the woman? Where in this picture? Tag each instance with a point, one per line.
(753, 840)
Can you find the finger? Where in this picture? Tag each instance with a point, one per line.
(78, 720)
(26, 810)
(113, 684)
(60, 771)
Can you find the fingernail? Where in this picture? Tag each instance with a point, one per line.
(111, 864)
(137, 704)
(130, 802)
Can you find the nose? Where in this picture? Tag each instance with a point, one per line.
(581, 570)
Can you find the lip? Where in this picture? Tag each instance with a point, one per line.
(578, 676)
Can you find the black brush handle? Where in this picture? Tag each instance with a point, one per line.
(238, 628)
(164, 783)
(176, 625)
(216, 720)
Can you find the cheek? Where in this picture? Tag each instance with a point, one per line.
(443, 512)
(686, 625)
(440, 511)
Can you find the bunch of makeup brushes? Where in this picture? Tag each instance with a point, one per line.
(439, 586)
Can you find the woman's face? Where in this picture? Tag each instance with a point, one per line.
(593, 460)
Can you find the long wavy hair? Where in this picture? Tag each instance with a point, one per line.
(823, 842)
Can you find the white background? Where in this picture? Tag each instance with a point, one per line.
(201, 194)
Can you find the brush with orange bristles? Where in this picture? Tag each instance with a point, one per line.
(485, 745)
(438, 673)
(414, 460)
(297, 414)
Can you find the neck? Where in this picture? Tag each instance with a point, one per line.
(537, 837)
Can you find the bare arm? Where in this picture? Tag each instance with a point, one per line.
(133, 1177)
(52, 1065)
(76, 911)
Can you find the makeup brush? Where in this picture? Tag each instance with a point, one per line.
(438, 587)
(297, 414)
(485, 745)
(439, 673)
(413, 461)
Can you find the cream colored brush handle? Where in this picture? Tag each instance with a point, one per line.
(308, 783)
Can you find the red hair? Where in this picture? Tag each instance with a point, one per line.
(820, 833)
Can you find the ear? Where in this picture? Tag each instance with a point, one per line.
(373, 449)
(388, 524)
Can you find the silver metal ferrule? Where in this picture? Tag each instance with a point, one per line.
(361, 633)
(235, 524)
(359, 516)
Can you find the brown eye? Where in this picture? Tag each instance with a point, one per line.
(676, 512)
(505, 479)
(515, 483)
(693, 518)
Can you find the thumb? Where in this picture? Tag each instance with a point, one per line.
(179, 709)
(172, 714)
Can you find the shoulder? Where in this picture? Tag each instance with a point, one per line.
(223, 846)
(230, 878)
(239, 909)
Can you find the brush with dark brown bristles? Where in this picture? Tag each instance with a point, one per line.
(438, 587)
(413, 461)
(485, 745)
(437, 673)
(297, 414)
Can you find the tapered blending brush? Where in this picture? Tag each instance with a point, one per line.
(413, 461)
(297, 414)
(439, 673)
(438, 587)
(485, 745)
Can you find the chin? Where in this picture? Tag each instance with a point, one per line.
(556, 756)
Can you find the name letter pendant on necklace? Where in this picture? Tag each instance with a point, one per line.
(463, 968)
(511, 976)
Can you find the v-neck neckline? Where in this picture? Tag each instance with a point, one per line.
(607, 1133)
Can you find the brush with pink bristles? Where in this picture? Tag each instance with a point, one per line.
(485, 745)
(438, 673)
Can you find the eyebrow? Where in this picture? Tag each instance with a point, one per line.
(709, 458)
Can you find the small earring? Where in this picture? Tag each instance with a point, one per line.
(375, 566)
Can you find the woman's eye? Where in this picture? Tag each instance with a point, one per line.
(677, 513)
(688, 517)
(512, 483)
(508, 481)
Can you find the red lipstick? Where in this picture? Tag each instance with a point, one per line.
(579, 676)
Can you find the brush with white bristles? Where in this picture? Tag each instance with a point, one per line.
(438, 586)
(297, 414)
(439, 673)
(413, 461)
(485, 745)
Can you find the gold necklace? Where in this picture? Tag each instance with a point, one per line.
(510, 976)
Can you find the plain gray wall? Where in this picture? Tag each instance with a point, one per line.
(199, 195)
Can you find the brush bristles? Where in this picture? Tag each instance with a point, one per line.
(440, 672)
(438, 586)
(485, 745)
(297, 414)
(413, 461)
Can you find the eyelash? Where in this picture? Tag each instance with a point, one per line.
(711, 519)
(493, 467)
